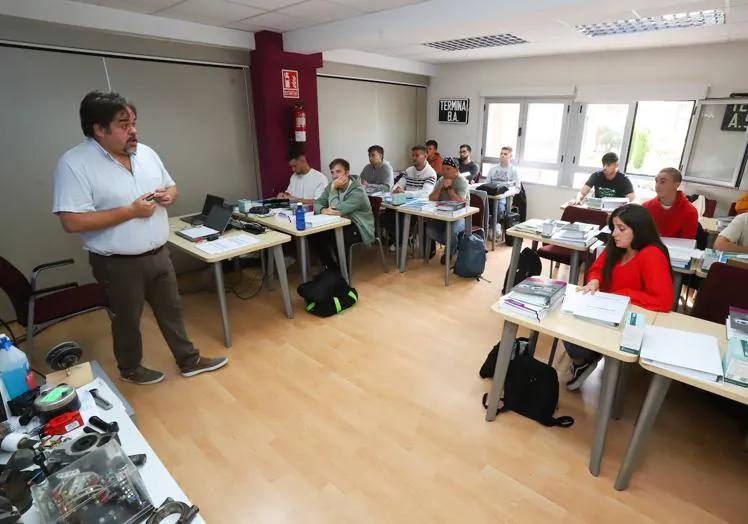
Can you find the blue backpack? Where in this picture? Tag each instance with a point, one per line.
(471, 256)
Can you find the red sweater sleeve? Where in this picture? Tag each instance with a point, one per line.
(596, 269)
(657, 281)
(690, 223)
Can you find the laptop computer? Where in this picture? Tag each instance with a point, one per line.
(199, 219)
(215, 225)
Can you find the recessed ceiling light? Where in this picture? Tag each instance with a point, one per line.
(654, 23)
(478, 42)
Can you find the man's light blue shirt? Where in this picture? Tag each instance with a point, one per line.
(87, 178)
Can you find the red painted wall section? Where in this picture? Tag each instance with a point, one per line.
(273, 112)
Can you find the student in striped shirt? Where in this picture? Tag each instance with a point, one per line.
(419, 179)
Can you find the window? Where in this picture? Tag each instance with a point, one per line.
(658, 137)
(544, 128)
(603, 132)
(537, 175)
(580, 179)
(502, 126)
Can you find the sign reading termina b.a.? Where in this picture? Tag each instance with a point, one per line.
(454, 110)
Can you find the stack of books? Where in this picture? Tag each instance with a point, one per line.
(712, 255)
(690, 354)
(737, 323)
(535, 225)
(681, 250)
(578, 233)
(606, 203)
(735, 359)
(534, 297)
(450, 208)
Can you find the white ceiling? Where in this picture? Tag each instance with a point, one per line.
(390, 33)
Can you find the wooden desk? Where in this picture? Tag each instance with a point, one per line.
(466, 214)
(284, 225)
(661, 379)
(604, 340)
(519, 236)
(269, 240)
(494, 202)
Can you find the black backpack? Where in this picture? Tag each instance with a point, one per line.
(529, 266)
(327, 294)
(493, 188)
(531, 386)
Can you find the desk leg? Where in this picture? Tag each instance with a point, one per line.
(502, 365)
(422, 239)
(404, 244)
(494, 221)
(221, 292)
(397, 238)
(283, 279)
(607, 392)
(623, 377)
(574, 268)
(532, 342)
(677, 288)
(303, 246)
(447, 252)
(270, 266)
(647, 416)
(342, 260)
(513, 263)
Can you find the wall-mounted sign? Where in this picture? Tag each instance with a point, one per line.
(454, 110)
(290, 83)
(736, 115)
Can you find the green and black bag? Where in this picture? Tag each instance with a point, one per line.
(327, 294)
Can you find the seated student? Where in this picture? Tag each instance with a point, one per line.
(434, 157)
(735, 236)
(343, 197)
(635, 263)
(741, 206)
(377, 174)
(306, 184)
(451, 187)
(607, 183)
(504, 174)
(468, 168)
(671, 211)
(419, 179)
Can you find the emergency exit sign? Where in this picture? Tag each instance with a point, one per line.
(290, 80)
(454, 110)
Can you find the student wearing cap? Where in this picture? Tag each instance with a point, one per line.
(450, 187)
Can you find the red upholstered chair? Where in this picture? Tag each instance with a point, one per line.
(733, 212)
(724, 286)
(477, 201)
(710, 207)
(561, 255)
(37, 309)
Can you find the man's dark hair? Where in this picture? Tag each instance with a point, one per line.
(99, 107)
(376, 149)
(340, 162)
(470, 149)
(295, 153)
(675, 173)
(609, 158)
(422, 149)
(432, 143)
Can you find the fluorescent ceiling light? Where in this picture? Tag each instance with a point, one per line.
(654, 23)
(478, 42)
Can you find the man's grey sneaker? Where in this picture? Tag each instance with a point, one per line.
(579, 373)
(143, 376)
(203, 365)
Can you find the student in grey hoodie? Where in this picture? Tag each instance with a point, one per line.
(377, 176)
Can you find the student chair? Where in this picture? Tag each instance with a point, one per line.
(376, 204)
(561, 255)
(38, 309)
(733, 212)
(724, 286)
(479, 199)
(710, 207)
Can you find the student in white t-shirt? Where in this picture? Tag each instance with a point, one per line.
(306, 184)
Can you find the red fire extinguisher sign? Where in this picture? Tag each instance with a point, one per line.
(290, 79)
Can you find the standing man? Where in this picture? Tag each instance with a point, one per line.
(671, 211)
(450, 187)
(306, 184)
(434, 157)
(607, 183)
(377, 174)
(468, 168)
(114, 192)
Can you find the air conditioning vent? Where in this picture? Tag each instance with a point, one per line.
(462, 44)
(654, 23)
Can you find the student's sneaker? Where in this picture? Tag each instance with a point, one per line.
(203, 365)
(143, 376)
(393, 248)
(579, 372)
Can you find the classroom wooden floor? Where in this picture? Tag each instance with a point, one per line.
(375, 416)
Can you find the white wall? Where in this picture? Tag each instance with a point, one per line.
(715, 65)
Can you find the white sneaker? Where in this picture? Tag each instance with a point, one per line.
(393, 248)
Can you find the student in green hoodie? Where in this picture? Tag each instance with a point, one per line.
(346, 197)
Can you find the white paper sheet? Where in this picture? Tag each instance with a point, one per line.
(313, 220)
(692, 354)
(225, 244)
(601, 307)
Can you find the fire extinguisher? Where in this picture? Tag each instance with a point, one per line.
(299, 123)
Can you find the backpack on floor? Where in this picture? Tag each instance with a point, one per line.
(471, 255)
(531, 386)
(529, 266)
(327, 294)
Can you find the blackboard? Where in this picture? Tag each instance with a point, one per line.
(454, 110)
(736, 116)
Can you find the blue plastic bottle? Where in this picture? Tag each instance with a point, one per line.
(14, 368)
(300, 217)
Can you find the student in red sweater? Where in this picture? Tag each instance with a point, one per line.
(673, 214)
(635, 263)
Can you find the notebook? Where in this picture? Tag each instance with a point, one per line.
(691, 354)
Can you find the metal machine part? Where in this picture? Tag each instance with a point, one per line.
(64, 355)
(172, 507)
(56, 400)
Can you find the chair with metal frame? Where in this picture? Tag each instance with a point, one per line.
(376, 203)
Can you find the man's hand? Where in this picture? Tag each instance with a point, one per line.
(163, 196)
(142, 208)
(340, 182)
(364, 183)
(284, 195)
(447, 183)
(397, 189)
(330, 211)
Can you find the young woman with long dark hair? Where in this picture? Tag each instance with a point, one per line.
(635, 263)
